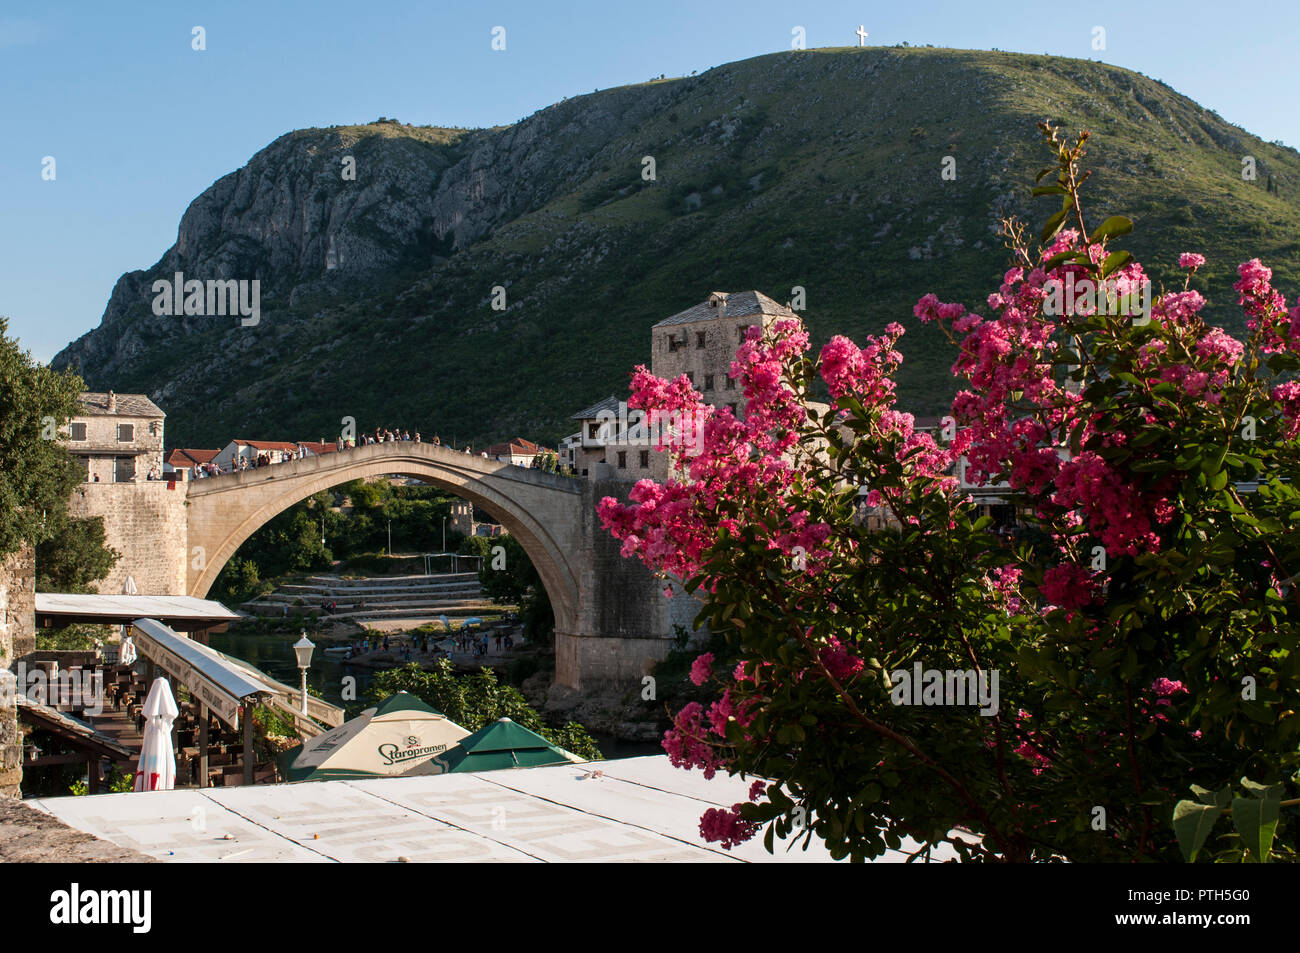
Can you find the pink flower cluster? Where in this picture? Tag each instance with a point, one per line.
(702, 669)
(1005, 581)
(1288, 396)
(1030, 747)
(1068, 586)
(1115, 510)
(726, 827)
(1265, 308)
(839, 661)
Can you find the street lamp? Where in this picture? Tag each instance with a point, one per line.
(303, 649)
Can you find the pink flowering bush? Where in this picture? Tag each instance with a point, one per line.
(1143, 633)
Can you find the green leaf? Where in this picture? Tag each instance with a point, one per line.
(1270, 792)
(1043, 172)
(1053, 225)
(1114, 261)
(1193, 823)
(1112, 227)
(1256, 822)
(1049, 190)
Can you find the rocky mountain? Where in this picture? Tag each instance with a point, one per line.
(818, 169)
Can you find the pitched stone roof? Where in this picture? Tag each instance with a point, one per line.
(737, 304)
(609, 404)
(318, 448)
(126, 405)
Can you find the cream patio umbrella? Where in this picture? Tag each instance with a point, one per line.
(383, 741)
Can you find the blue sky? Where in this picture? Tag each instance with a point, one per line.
(139, 123)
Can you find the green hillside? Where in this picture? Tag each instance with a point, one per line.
(818, 169)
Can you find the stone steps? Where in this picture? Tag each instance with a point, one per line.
(389, 582)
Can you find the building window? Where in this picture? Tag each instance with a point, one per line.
(674, 342)
(690, 376)
(699, 340)
(730, 382)
(708, 382)
(593, 430)
(622, 459)
(78, 431)
(645, 459)
(85, 462)
(733, 409)
(125, 433)
(124, 469)
(740, 332)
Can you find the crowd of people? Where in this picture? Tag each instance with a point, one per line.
(265, 458)
(423, 643)
(384, 435)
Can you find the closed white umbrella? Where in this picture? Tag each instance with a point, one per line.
(129, 587)
(157, 768)
(127, 653)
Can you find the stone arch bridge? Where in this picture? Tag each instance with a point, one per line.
(611, 619)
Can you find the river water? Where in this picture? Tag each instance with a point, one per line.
(273, 654)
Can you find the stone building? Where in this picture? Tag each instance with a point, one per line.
(603, 446)
(120, 439)
(180, 463)
(700, 342)
(520, 451)
(117, 437)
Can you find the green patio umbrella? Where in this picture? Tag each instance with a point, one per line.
(502, 744)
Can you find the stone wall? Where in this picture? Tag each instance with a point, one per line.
(145, 522)
(17, 638)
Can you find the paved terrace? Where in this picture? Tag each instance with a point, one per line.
(635, 809)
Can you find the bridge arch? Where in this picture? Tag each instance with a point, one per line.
(540, 509)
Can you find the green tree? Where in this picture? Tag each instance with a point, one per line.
(37, 474)
(475, 701)
(75, 557)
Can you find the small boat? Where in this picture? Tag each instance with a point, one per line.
(339, 650)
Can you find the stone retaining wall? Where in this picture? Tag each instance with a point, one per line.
(17, 638)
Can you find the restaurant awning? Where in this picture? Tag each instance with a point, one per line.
(222, 687)
(223, 683)
(180, 613)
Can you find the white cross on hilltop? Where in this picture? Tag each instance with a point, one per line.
(862, 35)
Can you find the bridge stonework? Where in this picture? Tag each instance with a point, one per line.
(611, 618)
